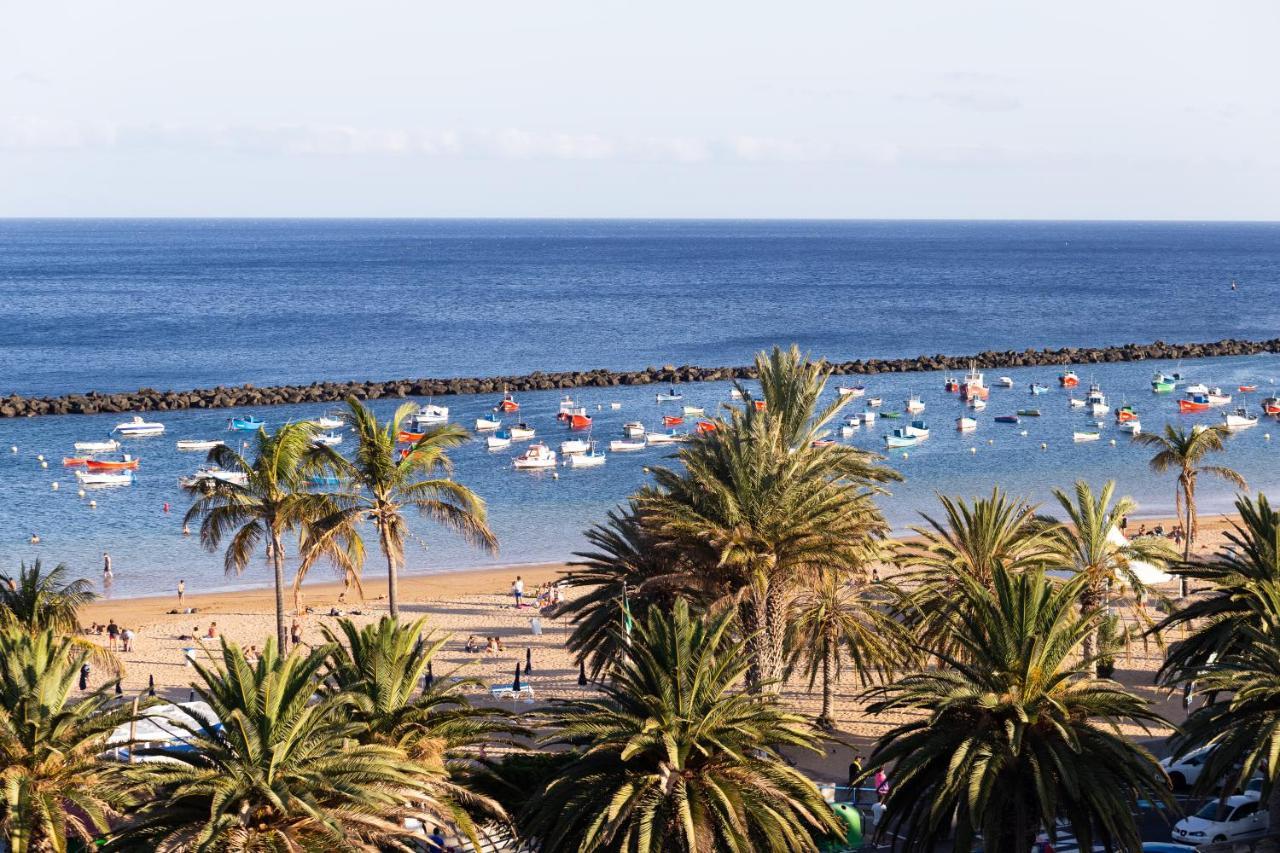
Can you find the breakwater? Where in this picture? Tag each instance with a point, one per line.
(223, 397)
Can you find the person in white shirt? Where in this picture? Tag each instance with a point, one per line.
(517, 589)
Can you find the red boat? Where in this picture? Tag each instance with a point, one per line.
(1248, 389)
(1271, 405)
(75, 461)
(1069, 379)
(951, 384)
(109, 465)
(579, 420)
(759, 405)
(1194, 404)
(672, 420)
(705, 426)
(1126, 414)
(508, 404)
(405, 437)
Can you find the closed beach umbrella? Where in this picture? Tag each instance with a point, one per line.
(516, 684)
(528, 660)
(582, 673)
(118, 690)
(151, 685)
(429, 678)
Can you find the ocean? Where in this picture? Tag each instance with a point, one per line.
(114, 305)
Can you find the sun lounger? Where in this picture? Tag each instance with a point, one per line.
(504, 691)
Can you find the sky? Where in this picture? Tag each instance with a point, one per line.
(824, 109)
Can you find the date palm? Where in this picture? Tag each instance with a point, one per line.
(675, 757)
(1093, 547)
(284, 771)
(275, 499)
(1184, 451)
(1014, 734)
(56, 784)
(37, 600)
(388, 482)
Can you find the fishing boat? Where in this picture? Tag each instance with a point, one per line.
(1247, 389)
(735, 394)
(662, 438)
(126, 464)
(704, 427)
(1239, 419)
(1075, 403)
(1096, 402)
(498, 441)
(1162, 383)
(759, 405)
(580, 420)
(852, 390)
(188, 444)
(951, 384)
(633, 429)
(1080, 437)
(869, 418)
(591, 459)
(406, 437)
(1217, 397)
(672, 420)
(1197, 388)
(327, 439)
(964, 424)
(874, 402)
(328, 422)
(104, 478)
(1005, 381)
(1007, 419)
(1028, 413)
(914, 404)
(566, 408)
(891, 415)
(974, 385)
(574, 445)
(74, 461)
(507, 404)
(1069, 379)
(535, 456)
(138, 428)
(977, 404)
(97, 446)
(1125, 413)
(484, 424)
(1271, 405)
(847, 430)
(1037, 388)
(668, 397)
(248, 423)
(520, 432)
(1133, 427)
(430, 415)
(615, 406)
(624, 446)
(917, 428)
(694, 410)
(900, 438)
(822, 442)
(212, 472)
(1194, 403)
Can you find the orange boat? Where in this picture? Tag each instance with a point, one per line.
(75, 461)
(109, 465)
(672, 420)
(577, 420)
(409, 437)
(1271, 405)
(759, 405)
(1197, 403)
(1248, 389)
(508, 404)
(1069, 379)
(951, 384)
(1125, 414)
(705, 427)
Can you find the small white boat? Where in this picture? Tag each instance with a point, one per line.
(238, 478)
(328, 439)
(622, 446)
(574, 446)
(593, 459)
(669, 397)
(1005, 382)
(735, 394)
(869, 418)
(633, 429)
(615, 406)
(487, 424)
(848, 430)
(138, 428)
(852, 390)
(1076, 403)
(99, 446)
(1085, 436)
(874, 402)
(914, 404)
(520, 432)
(431, 415)
(199, 443)
(977, 404)
(536, 456)
(1197, 388)
(694, 410)
(497, 442)
(964, 424)
(104, 478)
(1132, 426)
(1239, 419)
(328, 422)
(917, 429)
(662, 438)
(1217, 397)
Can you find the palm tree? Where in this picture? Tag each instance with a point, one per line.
(1015, 733)
(379, 668)
(842, 615)
(971, 540)
(37, 600)
(56, 785)
(387, 483)
(766, 508)
(1184, 451)
(674, 757)
(283, 771)
(273, 500)
(1093, 547)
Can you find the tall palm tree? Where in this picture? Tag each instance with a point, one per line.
(675, 757)
(1093, 547)
(56, 784)
(768, 511)
(284, 770)
(1015, 733)
(274, 500)
(1184, 451)
(387, 483)
(970, 540)
(36, 599)
(842, 619)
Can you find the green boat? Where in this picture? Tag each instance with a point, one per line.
(1029, 413)
(891, 414)
(1161, 384)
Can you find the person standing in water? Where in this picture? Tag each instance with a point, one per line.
(107, 574)
(182, 591)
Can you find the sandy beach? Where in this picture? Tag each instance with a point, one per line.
(459, 604)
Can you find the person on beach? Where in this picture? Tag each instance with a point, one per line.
(490, 647)
(251, 656)
(295, 631)
(113, 634)
(498, 640)
(882, 785)
(517, 590)
(213, 631)
(182, 591)
(473, 645)
(126, 640)
(855, 770)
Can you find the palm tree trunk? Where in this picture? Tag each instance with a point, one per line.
(1089, 645)
(277, 563)
(773, 636)
(825, 720)
(393, 580)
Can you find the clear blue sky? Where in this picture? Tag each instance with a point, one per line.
(830, 108)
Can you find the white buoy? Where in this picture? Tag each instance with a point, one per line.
(973, 450)
(93, 504)
(1044, 446)
(1267, 436)
(1023, 433)
(991, 441)
(904, 455)
(80, 493)
(555, 475)
(55, 485)
(39, 457)
(44, 464)
(1113, 442)
(13, 449)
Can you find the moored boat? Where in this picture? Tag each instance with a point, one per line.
(1239, 419)
(1193, 403)
(977, 404)
(1007, 419)
(1247, 389)
(574, 445)
(74, 461)
(662, 438)
(1069, 379)
(484, 424)
(914, 404)
(138, 428)
(1037, 388)
(535, 456)
(625, 446)
(874, 402)
(917, 428)
(852, 390)
(580, 420)
(1217, 397)
(1096, 402)
(1075, 403)
(591, 459)
(900, 438)
(328, 439)
(847, 430)
(964, 424)
(1028, 413)
(633, 429)
(1133, 427)
(668, 397)
(1162, 383)
(507, 404)
(567, 407)
(869, 418)
(109, 446)
(189, 444)
(951, 384)
(974, 385)
(1005, 381)
(694, 410)
(248, 423)
(406, 437)
(104, 478)
(1271, 405)
(430, 415)
(1125, 413)
(328, 422)
(1081, 437)
(703, 427)
(126, 464)
(520, 432)
(1197, 388)
(212, 472)
(498, 441)
(672, 420)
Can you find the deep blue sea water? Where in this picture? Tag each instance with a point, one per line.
(116, 305)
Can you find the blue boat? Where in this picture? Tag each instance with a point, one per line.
(247, 424)
(324, 480)
(901, 438)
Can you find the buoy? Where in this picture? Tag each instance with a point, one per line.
(645, 469)
(973, 450)
(1267, 436)
(904, 455)
(55, 485)
(555, 475)
(13, 449)
(1113, 442)
(991, 441)
(80, 493)
(39, 457)
(1023, 432)
(44, 464)
(93, 504)
(1044, 446)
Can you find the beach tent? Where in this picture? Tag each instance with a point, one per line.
(1147, 573)
(164, 726)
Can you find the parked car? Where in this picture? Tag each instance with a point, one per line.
(1235, 818)
(1183, 772)
(1166, 847)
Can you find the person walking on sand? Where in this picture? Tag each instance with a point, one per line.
(882, 785)
(517, 589)
(113, 634)
(295, 632)
(182, 591)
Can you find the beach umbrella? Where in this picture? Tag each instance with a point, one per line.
(582, 673)
(528, 660)
(191, 695)
(516, 684)
(84, 677)
(119, 692)
(429, 678)
(151, 685)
